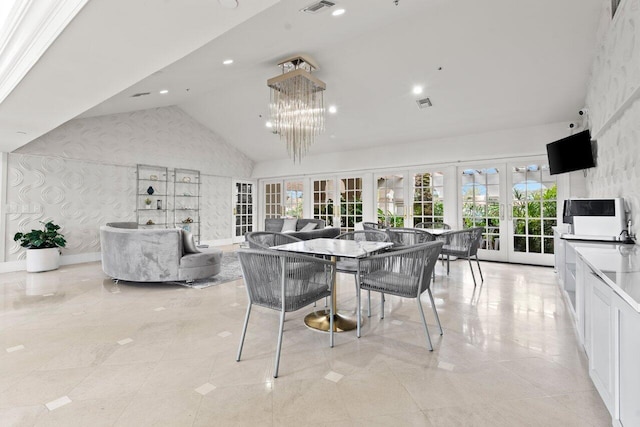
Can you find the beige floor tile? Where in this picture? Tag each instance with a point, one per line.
(509, 356)
(110, 382)
(172, 410)
(367, 395)
(21, 416)
(82, 413)
(237, 406)
(40, 387)
(307, 401)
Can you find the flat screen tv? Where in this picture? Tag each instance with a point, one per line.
(571, 153)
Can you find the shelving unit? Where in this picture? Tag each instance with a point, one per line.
(155, 177)
(186, 201)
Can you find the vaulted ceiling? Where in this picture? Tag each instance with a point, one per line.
(485, 65)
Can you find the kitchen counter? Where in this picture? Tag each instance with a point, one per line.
(618, 265)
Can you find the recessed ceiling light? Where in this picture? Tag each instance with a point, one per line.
(227, 61)
(164, 91)
(417, 90)
(268, 124)
(338, 12)
(333, 109)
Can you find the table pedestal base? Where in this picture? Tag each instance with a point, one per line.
(320, 320)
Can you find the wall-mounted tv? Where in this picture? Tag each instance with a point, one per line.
(571, 153)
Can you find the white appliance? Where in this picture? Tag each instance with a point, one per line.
(595, 219)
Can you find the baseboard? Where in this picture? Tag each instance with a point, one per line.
(10, 266)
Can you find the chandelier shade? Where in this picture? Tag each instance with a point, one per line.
(297, 105)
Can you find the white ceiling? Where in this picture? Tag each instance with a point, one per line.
(505, 64)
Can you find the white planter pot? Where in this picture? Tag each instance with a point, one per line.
(148, 206)
(43, 259)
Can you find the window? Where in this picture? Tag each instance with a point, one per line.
(273, 200)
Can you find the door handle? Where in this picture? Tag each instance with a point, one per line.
(510, 211)
(234, 211)
(502, 212)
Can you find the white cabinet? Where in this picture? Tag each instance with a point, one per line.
(628, 372)
(601, 356)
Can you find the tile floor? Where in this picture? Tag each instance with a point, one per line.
(78, 350)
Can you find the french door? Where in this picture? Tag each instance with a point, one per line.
(243, 210)
(284, 199)
(515, 203)
(338, 201)
(404, 199)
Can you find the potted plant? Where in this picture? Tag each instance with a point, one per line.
(42, 247)
(147, 202)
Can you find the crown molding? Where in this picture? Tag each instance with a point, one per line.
(31, 27)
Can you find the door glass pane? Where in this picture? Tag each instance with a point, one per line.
(534, 201)
(350, 203)
(481, 204)
(390, 200)
(323, 204)
(244, 209)
(273, 200)
(428, 197)
(293, 199)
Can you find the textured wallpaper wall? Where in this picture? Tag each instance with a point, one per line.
(82, 174)
(614, 110)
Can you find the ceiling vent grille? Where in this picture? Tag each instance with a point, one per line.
(424, 103)
(317, 7)
(135, 95)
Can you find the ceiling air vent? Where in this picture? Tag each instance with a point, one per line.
(135, 95)
(424, 103)
(317, 7)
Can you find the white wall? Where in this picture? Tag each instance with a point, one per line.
(82, 175)
(505, 144)
(614, 109)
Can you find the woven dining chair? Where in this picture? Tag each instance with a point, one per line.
(464, 244)
(350, 265)
(405, 273)
(285, 282)
(372, 226)
(267, 239)
(434, 225)
(402, 237)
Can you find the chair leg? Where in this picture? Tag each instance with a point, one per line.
(424, 322)
(435, 312)
(275, 371)
(381, 305)
(472, 275)
(479, 269)
(447, 265)
(368, 303)
(244, 332)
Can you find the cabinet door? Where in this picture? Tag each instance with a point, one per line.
(629, 370)
(581, 271)
(601, 357)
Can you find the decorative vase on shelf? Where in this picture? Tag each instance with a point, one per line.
(150, 190)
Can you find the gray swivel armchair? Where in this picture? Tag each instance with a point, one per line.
(405, 273)
(284, 282)
(464, 244)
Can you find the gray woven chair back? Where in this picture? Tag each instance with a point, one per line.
(463, 243)
(365, 235)
(434, 225)
(270, 275)
(409, 236)
(372, 226)
(404, 273)
(267, 239)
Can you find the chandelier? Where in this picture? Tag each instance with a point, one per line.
(297, 104)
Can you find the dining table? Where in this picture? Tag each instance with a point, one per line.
(334, 248)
